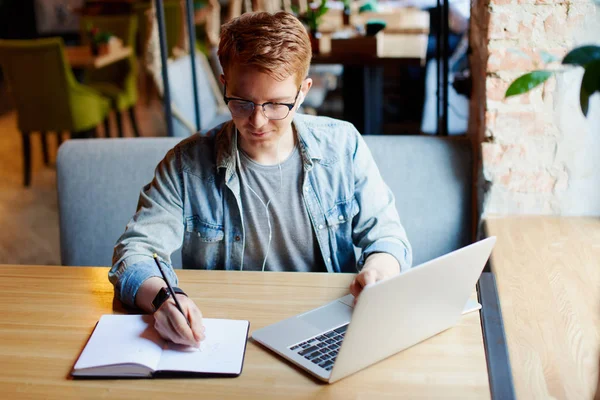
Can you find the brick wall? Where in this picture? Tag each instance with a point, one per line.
(524, 169)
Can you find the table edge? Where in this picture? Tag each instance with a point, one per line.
(494, 336)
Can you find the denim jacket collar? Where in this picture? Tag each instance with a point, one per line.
(226, 144)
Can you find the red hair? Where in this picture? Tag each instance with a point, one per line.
(276, 44)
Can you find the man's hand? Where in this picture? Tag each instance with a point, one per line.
(378, 266)
(171, 324)
(168, 321)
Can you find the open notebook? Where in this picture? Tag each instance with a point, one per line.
(129, 346)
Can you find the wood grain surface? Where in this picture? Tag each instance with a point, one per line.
(548, 276)
(47, 314)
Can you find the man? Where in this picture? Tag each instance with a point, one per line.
(271, 190)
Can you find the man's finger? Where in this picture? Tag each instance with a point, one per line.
(174, 334)
(358, 284)
(180, 326)
(370, 277)
(195, 317)
(186, 338)
(355, 287)
(161, 323)
(363, 278)
(164, 329)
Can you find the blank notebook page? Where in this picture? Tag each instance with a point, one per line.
(122, 339)
(221, 352)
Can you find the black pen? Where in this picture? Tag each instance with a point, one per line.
(170, 289)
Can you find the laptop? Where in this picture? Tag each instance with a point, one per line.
(330, 342)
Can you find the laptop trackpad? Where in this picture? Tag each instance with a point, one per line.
(328, 317)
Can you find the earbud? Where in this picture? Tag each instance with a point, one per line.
(300, 99)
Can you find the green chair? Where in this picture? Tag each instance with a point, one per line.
(117, 81)
(46, 94)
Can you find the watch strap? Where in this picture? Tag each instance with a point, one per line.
(163, 295)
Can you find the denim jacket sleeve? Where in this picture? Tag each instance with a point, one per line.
(376, 227)
(156, 227)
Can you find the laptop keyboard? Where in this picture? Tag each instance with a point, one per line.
(323, 349)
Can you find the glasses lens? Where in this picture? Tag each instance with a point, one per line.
(276, 111)
(240, 108)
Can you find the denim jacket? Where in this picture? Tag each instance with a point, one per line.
(194, 200)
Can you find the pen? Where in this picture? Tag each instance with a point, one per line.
(170, 289)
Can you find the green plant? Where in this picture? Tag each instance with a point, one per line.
(586, 57)
(312, 16)
(97, 36)
(102, 37)
(369, 5)
(198, 4)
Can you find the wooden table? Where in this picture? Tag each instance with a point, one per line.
(398, 50)
(403, 20)
(48, 313)
(398, 20)
(548, 276)
(82, 57)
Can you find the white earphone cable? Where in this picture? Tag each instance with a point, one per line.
(266, 206)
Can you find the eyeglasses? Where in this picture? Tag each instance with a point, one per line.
(244, 108)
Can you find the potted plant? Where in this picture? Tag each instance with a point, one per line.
(586, 57)
(99, 41)
(312, 18)
(347, 12)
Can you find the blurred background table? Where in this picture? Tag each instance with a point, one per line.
(363, 76)
(82, 57)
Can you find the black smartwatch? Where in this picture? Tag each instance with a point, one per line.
(162, 296)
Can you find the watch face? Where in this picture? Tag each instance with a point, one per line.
(162, 295)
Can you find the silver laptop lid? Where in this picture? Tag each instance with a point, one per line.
(400, 312)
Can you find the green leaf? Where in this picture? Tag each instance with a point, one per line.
(589, 85)
(368, 6)
(322, 8)
(582, 55)
(591, 77)
(547, 57)
(584, 100)
(527, 82)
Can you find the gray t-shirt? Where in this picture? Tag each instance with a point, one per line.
(294, 246)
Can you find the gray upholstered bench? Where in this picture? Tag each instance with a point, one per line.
(99, 182)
